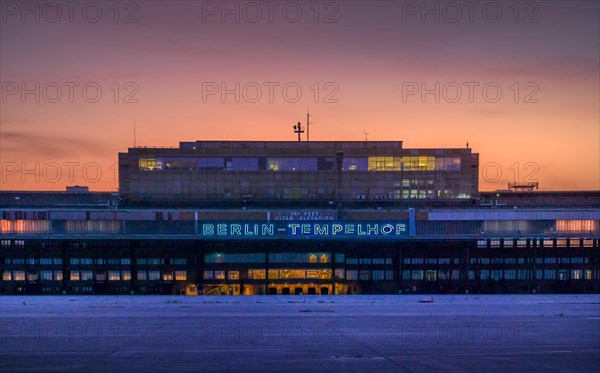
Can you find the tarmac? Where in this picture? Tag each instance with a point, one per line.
(355, 333)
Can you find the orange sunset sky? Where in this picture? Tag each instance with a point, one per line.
(154, 61)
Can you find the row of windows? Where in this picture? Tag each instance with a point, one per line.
(286, 257)
(506, 274)
(498, 260)
(374, 163)
(90, 276)
(97, 261)
(369, 261)
(542, 242)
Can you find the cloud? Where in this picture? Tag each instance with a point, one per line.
(48, 146)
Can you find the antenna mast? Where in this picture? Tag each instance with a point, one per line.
(134, 133)
(308, 125)
(366, 134)
(298, 129)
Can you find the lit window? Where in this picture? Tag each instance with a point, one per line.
(588, 242)
(168, 276)
(6, 276)
(233, 275)
(180, 275)
(58, 276)
(384, 163)
(324, 258)
(313, 258)
(18, 275)
(74, 276)
(256, 274)
(114, 275)
(126, 275)
(220, 275)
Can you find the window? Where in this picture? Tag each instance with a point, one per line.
(153, 275)
(219, 275)
(577, 274)
(74, 276)
(549, 274)
(384, 164)
(256, 274)
(168, 276)
(142, 275)
(179, 261)
(142, 261)
(86, 261)
(46, 261)
(339, 258)
(100, 276)
(6, 276)
(125, 261)
(233, 275)
(417, 275)
(180, 275)
(339, 274)
(588, 242)
(510, 274)
(389, 274)
(351, 274)
(58, 276)
(419, 163)
(523, 274)
(99, 261)
(378, 275)
(57, 261)
(588, 274)
(430, 275)
(74, 261)
(114, 275)
(86, 276)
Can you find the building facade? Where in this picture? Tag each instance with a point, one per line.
(267, 171)
(331, 218)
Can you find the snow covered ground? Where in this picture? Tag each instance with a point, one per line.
(392, 333)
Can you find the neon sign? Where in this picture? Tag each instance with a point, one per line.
(306, 230)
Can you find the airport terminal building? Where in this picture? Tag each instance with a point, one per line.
(323, 217)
